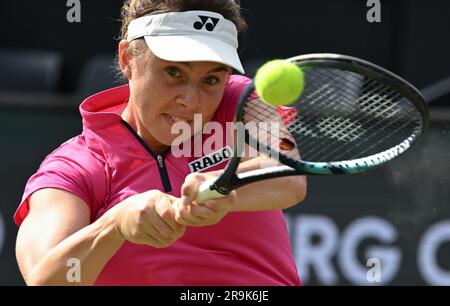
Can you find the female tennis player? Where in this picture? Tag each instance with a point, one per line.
(119, 202)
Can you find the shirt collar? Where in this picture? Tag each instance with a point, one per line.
(104, 108)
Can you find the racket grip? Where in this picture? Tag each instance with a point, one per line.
(205, 193)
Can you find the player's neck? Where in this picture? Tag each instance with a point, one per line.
(131, 117)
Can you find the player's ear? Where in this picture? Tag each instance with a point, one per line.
(125, 58)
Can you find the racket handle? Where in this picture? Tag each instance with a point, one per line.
(205, 193)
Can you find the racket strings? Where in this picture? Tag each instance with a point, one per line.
(312, 144)
(368, 87)
(365, 150)
(340, 116)
(349, 126)
(381, 101)
(335, 107)
(327, 123)
(348, 130)
(386, 99)
(371, 90)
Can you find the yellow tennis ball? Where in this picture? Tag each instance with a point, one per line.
(279, 82)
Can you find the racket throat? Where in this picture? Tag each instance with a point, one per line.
(211, 189)
(222, 190)
(225, 184)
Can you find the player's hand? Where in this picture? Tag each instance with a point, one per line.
(149, 218)
(211, 212)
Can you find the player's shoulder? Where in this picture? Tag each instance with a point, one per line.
(235, 86)
(236, 82)
(75, 151)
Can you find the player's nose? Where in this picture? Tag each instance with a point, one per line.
(189, 97)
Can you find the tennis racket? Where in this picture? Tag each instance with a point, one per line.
(353, 116)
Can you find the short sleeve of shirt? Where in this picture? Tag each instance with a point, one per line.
(227, 108)
(73, 168)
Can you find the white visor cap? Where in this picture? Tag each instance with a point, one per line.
(190, 36)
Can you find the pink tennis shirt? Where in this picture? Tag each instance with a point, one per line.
(109, 162)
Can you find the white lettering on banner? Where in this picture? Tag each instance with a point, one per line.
(427, 254)
(2, 233)
(356, 232)
(383, 261)
(315, 255)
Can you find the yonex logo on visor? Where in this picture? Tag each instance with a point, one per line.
(209, 23)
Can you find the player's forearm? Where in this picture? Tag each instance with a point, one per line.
(279, 193)
(87, 250)
(272, 194)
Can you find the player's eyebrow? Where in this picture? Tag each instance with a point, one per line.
(219, 68)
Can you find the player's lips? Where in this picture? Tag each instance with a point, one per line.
(178, 118)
